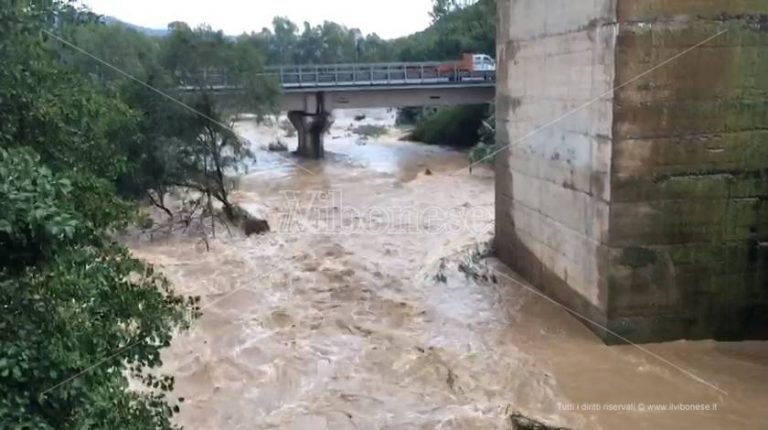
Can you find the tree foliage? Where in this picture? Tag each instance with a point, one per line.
(180, 139)
(459, 29)
(328, 43)
(443, 8)
(213, 152)
(79, 314)
(456, 126)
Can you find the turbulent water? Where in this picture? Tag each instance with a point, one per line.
(353, 313)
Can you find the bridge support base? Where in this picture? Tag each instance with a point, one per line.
(311, 129)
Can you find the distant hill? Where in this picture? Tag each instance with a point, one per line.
(154, 32)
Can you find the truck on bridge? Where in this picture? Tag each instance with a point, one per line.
(471, 69)
(471, 66)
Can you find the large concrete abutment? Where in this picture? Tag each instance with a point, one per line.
(644, 208)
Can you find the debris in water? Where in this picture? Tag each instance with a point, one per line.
(250, 222)
(521, 422)
(277, 146)
(451, 380)
(255, 226)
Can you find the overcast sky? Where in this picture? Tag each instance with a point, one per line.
(388, 18)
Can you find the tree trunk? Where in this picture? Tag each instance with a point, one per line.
(159, 203)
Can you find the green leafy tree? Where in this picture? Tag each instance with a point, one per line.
(329, 43)
(457, 126)
(202, 60)
(283, 41)
(80, 315)
(465, 28)
(443, 8)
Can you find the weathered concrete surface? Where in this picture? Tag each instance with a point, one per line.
(552, 181)
(642, 209)
(310, 128)
(688, 184)
(373, 97)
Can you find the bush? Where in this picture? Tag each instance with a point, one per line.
(409, 115)
(455, 126)
(79, 316)
(79, 312)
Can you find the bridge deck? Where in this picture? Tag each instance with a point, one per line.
(361, 76)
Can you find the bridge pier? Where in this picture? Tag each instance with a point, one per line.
(645, 213)
(311, 130)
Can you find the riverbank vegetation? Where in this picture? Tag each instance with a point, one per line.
(455, 126)
(184, 139)
(458, 27)
(79, 315)
(91, 123)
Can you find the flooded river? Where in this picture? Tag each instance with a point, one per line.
(352, 313)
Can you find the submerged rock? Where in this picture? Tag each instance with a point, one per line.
(251, 222)
(277, 147)
(252, 225)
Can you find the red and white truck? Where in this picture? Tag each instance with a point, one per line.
(470, 66)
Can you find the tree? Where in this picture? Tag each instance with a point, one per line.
(283, 42)
(79, 312)
(442, 8)
(464, 29)
(200, 60)
(329, 43)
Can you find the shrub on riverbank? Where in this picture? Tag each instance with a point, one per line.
(454, 126)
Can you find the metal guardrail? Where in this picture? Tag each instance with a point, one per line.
(359, 75)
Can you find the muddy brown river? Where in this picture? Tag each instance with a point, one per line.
(352, 313)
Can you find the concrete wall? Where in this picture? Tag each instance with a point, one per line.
(552, 181)
(644, 210)
(689, 183)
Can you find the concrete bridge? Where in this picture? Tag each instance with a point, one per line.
(310, 93)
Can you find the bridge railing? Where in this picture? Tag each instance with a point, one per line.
(375, 74)
(355, 75)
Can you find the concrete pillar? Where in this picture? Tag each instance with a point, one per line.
(634, 192)
(311, 123)
(310, 129)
